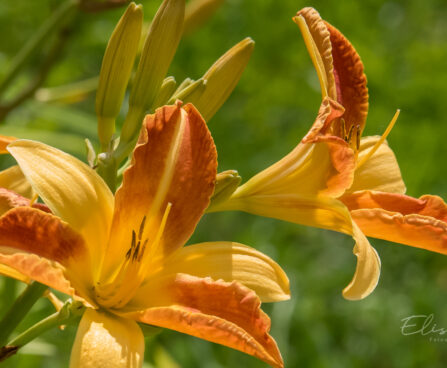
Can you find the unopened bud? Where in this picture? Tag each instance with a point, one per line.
(226, 183)
(115, 70)
(183, 94)
(221, 79)
(158, 50)
(166, 91)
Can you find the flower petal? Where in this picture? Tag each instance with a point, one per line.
(217, 311)
(367, 272)
(13, 273)
(10, 199)
(317, 39)
(317, 211)
(350, 80)
(175, 162)
(318, 165)
(227, 261)
(71, 189)
(40, 246)
(4, 141)
(380, 172)
(105, 340)
(420, 223)
(13, 179)
(342, 77)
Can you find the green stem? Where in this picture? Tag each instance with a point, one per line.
(19, 309)
(68, 314)
(107, 168)
(36, 41)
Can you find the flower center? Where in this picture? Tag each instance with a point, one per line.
(120, 288)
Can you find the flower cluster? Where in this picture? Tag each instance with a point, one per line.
(122, 253)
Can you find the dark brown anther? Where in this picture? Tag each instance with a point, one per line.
(140, 232)
(134, 240)
(135, 253)
(357, 136)
(349, 137)
(142, 250)
(343, 129)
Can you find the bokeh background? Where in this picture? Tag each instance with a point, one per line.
(403, 45)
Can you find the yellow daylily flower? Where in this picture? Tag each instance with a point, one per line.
(123, 255)
(335, 179)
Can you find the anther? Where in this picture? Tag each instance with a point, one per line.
(140, 232)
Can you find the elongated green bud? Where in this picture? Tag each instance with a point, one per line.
(198, 12)
(226, 183)
(183, 93)
(158, 50)
(115, 70)
(221, 79)
(166, 91)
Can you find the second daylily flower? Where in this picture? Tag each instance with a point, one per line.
(123, 255)
(337, 180)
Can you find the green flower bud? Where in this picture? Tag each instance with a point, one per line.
(158, 50)
(115, 70)
(221, 79)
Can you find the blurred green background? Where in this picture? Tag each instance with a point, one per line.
(403, 45)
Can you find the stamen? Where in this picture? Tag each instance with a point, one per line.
(33, 199)
(140, 232)
(343, 129)
(381, 140)
(348, 138)
(357, 137)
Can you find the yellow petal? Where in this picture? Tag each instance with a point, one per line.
(317, 40)
(70, 188)
(317, 165)
(230, 262)
(321, 212)
(380, 172)
(13, 273)
(367, 271)
(13, 179)
(104, 340)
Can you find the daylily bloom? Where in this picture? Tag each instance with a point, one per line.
(123, 255)
(336, 180)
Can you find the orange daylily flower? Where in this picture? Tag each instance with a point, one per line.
(123, 255)
(337, 180)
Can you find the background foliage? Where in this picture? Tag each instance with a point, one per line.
(403, 45)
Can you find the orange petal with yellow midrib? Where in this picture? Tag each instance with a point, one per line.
(399, 218)
(42, 247)
(158, 177)
(217, 311)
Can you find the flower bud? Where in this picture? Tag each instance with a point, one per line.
(158, 50)
(226, 183)
(115, 70)
(221, 79)
(166, 91)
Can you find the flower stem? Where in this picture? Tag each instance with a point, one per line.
(36, 41)
(69, 313)
(19, 309)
